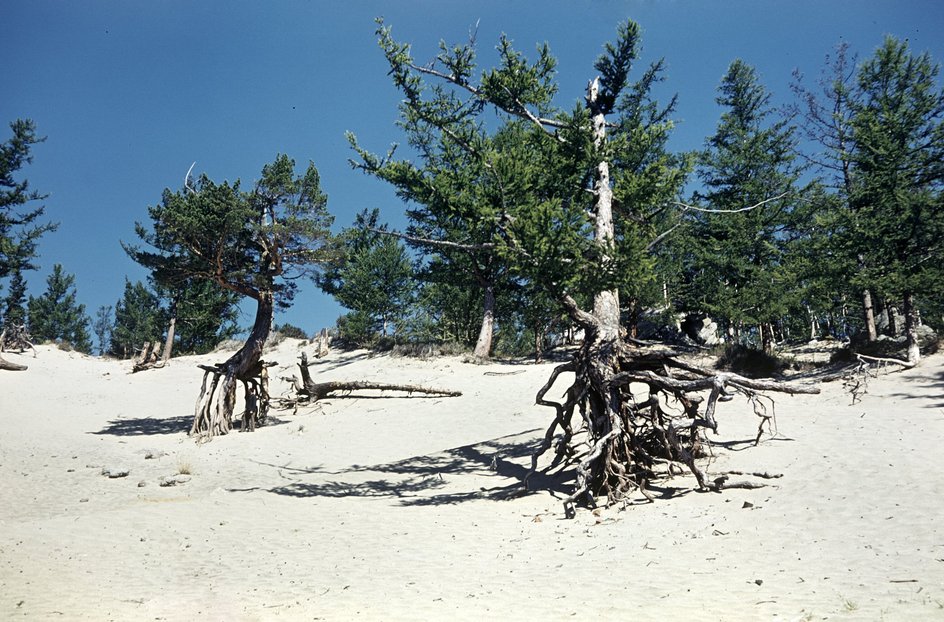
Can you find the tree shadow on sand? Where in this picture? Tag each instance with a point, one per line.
(155, 426)
(926, 387)
(444, 478)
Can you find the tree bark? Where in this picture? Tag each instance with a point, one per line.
(911, 329)
(767, 337)
(214, 410)
(169, 344)
(869, 314)
(483, 345)
(893, 328)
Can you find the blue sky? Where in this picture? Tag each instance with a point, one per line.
(130, 93)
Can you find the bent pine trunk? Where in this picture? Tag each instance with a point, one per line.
(214, 410)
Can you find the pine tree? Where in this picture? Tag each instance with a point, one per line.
(20, 226)
(898, 165)
(103, 327)
(834, 239)
(373, 280)
(55, 315)
(206, 316)
(139, 319)
(547, 190)
(735, 267)
(254, 243)
(14, 305)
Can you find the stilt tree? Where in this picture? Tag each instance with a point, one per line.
(254, 243)
(565, 195)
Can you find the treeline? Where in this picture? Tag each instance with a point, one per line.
(807, 222)
(822, 219)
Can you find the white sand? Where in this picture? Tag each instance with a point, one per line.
(386, 508)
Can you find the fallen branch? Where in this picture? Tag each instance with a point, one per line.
(307, 390)
(8, 366)
(875, 359)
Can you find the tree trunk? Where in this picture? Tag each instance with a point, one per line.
(869, 314)
(539, 332)
(767, 337)
(483, 346)
(169, 343)
(214, 411)
(892, 328)
(911, 329)
(628, 438)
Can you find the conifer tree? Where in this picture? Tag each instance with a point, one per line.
(20, 226)
(834, 250)
(103, 327)
(736, 268)
(254, 243)
(138, 320)
(20, 223)
(552, 198)
(898, 164)
(373, 280)
(55, 315)
(14, 305)
(206, 315)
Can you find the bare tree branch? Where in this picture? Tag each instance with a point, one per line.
(686, 207)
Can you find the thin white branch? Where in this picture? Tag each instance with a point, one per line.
(187, 178)
(487, 246)
(686, 206)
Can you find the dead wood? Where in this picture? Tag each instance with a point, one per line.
(308, 391)
(16, 337)
(148, 358)
(8, 366)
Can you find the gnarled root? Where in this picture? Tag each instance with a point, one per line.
(641, 409)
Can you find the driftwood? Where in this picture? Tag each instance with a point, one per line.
(15, 337)
(8, 366)
(308, 391)
(149, 357)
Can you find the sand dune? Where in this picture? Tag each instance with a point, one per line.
(407, 508)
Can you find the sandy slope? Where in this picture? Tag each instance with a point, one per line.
(392, 508)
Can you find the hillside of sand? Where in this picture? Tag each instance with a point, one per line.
(410, 508)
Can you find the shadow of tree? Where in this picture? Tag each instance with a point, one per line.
(422, 480)
(929, 387)
(147, 426)
(152, 426)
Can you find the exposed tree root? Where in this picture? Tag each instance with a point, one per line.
(16, 338)
(218, 398)
(309, 391)
(640, 408)
(148, 358)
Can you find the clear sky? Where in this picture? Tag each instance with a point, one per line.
(131, 92)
